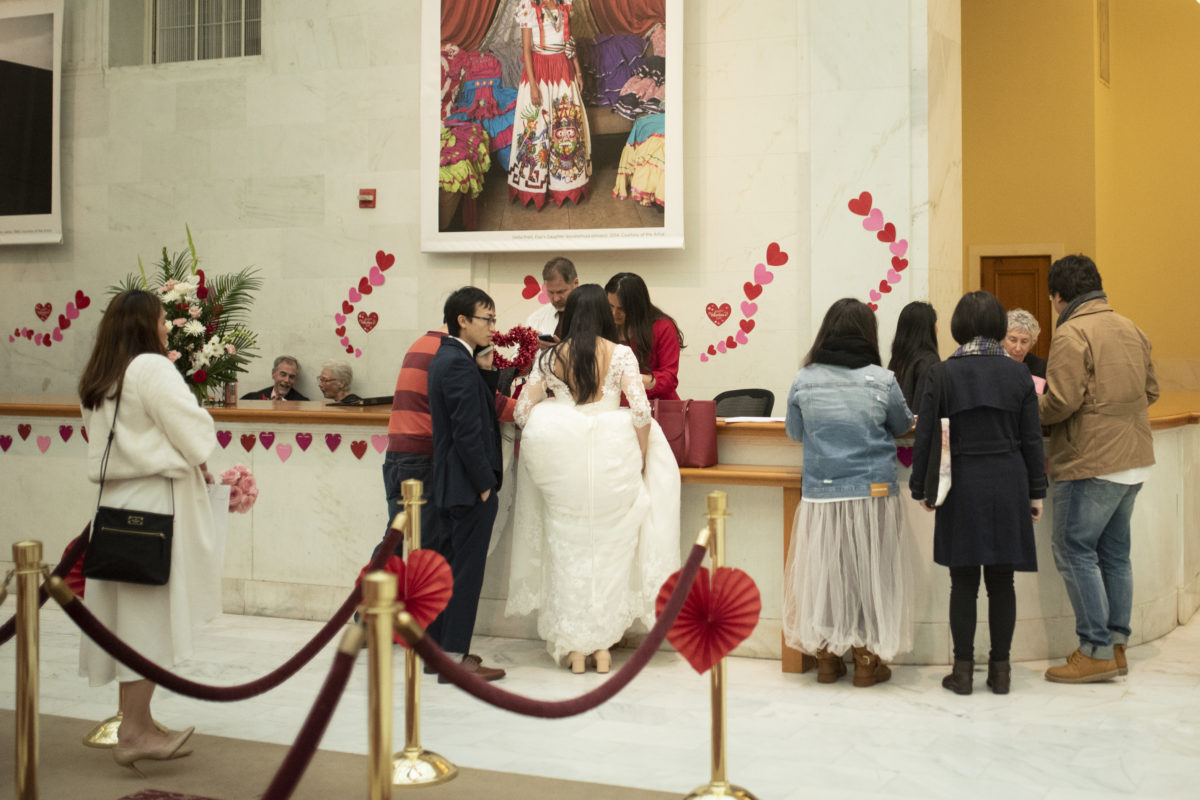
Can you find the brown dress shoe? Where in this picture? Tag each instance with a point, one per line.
(1083, 669)
(474, 664)
(1119, 657)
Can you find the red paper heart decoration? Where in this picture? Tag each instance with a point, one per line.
(341, 329)
(730, 343)
(364, 286)
(24, 430)
(346, 307)
(384, 260)
(873, 307)
(224, 438)
(861, 206)
(267, 438)
(367, 321)
(350, 349)
(63, 322)
(715, 618)
(65, 431)
(775, 256)
(531, 288)
(718, 313)
(888, 234)
(884, 286)
(248, 440)
(752, 290)
(712, 350)
(332, 440)
(43, 311)
(904, 455)
(746, 325)
(83, 433)
(82, 301)
(359, 448)
(899, 264)
(304, 440)
(5, 442)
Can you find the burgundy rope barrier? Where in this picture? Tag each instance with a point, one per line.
(70, 557)
(547, 709)
(118, 649)
(301, 752)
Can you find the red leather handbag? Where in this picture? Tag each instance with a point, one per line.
(691, 429)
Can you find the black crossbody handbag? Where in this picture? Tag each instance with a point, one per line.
(129, 546)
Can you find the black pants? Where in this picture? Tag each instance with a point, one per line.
(1002, 609)
(462, 537)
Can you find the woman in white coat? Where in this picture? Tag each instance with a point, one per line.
(161, 439)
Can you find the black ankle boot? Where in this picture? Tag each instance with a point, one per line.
(959, 681)
(999, 676)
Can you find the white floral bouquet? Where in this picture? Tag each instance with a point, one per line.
(208, 338)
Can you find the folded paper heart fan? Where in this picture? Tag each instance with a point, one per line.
(717, 616)
(424, 585)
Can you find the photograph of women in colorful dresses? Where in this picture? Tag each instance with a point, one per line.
(552, 115)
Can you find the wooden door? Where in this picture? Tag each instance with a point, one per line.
(1020, 282)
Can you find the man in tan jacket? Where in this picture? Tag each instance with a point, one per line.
(1100, 384)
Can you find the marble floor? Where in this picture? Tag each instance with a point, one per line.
(787, 736)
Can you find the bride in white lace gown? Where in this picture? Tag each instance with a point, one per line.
(596, 517)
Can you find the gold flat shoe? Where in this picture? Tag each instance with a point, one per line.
(172, 749)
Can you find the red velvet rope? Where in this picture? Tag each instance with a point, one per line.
(73, 554)
(301, 752)
(490, 693)
(118, 649)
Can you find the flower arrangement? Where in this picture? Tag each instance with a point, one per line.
(208, 338)
(243, 491)
(526, 340)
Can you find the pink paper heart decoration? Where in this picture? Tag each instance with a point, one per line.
(345, 340)
(357, 353)
(899, 247)
(37, 339)
(379, 443)
(224, 438)
(874, 220)
(43, 443)
(340, 319)
(354, 295)
(304, 440)
(748, 308)
(543, 298)
(56, 335)
(267, 438)
(740, 337)
(375, 277)
(332, 440)
(284, 451)
(761, 275)
(10, 338)
(703, 357)
(72, 311)
(720, 347)
(875, 296)
(893, 276)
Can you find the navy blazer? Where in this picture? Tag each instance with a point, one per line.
(466, 432)
(265, 394)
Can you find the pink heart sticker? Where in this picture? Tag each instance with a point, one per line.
(893, 276)
(354, 295)
(37, 339)
(345, 340)
(703, 357)
(332, 440)
(375, 277)
(267, 438)
(56, 335)
(740, 337)
(304, 440)
(720, 347)
(875, 296)
(543, 298)
(749, 308)
(874, 220)
(284, 451)
(357, 353)
(761, 275)
(72, 312)
(379, 442)
(899, 247)
(43, 443)
(10, 338)
(340, 319)
(224, 438)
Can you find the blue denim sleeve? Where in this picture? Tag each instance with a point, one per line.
(794, 421)
(899, 418)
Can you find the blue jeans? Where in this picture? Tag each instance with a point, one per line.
(398, 468)
(1091, 550)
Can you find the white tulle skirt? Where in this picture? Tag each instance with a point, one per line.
(849, 578)
(594, 536)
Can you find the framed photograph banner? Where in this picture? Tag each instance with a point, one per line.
(30, 88)
(551, 125)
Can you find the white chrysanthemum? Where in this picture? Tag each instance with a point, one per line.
(193, 327)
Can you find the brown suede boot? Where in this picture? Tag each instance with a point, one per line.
(999, 677)
(830, 667)
(1119, 657)
(961, 678)
(1081, 668)
(868, 669)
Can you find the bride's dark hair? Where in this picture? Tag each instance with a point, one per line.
(586, 318)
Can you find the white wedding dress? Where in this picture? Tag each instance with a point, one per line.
(594, 535)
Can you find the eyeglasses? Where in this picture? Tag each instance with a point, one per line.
(491, 321)
(323, 379)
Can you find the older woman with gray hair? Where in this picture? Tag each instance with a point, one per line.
(334, 382)
(1023, 330)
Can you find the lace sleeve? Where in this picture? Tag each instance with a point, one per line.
(532, 393)
(626, 366)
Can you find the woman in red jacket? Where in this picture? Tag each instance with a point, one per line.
(649, 331)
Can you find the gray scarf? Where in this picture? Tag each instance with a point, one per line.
(1078, 301)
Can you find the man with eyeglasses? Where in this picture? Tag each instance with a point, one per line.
(467, 466)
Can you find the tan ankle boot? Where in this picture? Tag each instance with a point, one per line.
(1119, 657)
(830, 667)
(1081, 668)
(868, 669)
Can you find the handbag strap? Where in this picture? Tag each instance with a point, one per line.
(108, 448)
(687, 429)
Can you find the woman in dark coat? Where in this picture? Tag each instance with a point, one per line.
(997, 482)
(914, 349)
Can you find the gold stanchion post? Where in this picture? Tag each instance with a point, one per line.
(414, 766)
(718, 787)
(28, 557)
(379, 604)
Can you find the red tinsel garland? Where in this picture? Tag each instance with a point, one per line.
(526, 340)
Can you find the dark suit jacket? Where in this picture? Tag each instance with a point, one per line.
(265, 394)
(466, 433)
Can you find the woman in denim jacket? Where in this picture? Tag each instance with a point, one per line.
(848, 582)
